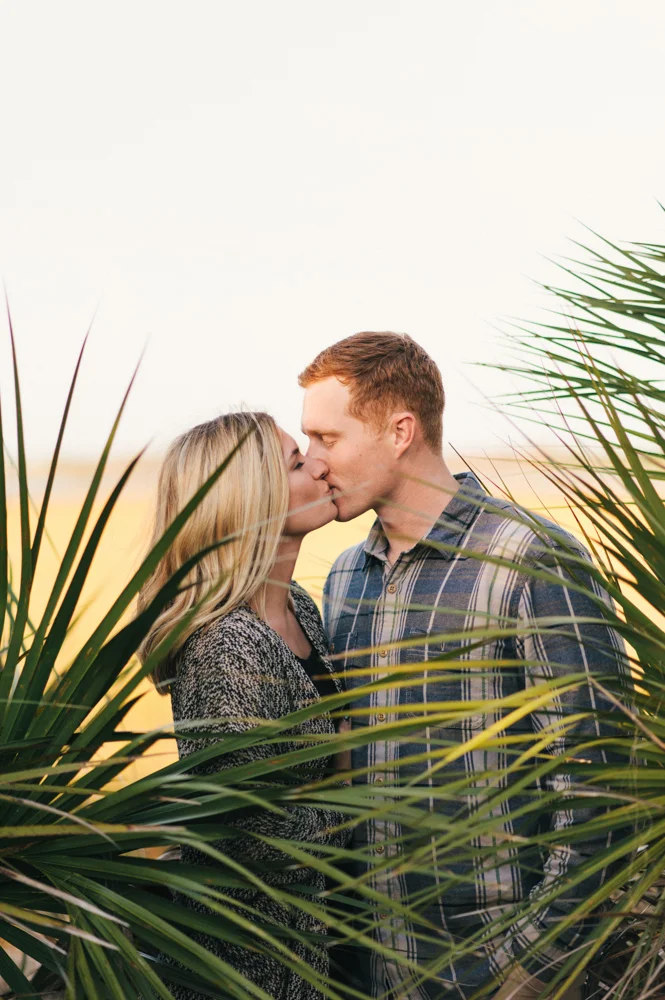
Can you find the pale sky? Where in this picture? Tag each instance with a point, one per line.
(238, 184)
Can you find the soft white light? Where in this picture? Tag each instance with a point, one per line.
(240, 184)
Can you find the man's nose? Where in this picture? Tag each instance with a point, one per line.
(319, 468)
(314, 452)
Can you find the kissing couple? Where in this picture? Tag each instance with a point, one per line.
(443, 559)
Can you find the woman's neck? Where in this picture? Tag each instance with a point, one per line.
(277, 589)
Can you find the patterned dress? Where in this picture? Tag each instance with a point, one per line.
(240, 668)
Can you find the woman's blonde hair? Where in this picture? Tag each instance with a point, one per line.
(249, 503)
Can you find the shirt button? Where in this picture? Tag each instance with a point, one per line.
(380, 849)
(392, 587)
(381, 716)
(383, 652)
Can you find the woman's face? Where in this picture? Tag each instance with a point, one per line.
(306, 486)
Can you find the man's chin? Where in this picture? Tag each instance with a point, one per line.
(336, 509)
(345, 512)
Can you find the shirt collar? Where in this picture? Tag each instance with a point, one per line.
(449, 529)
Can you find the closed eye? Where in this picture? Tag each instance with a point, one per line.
(298, 457)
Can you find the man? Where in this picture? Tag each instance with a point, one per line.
(443, 562)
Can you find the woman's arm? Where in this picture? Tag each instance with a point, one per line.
(240, 691)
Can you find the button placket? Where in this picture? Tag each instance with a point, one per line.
(382, 701)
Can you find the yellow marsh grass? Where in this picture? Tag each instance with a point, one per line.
(118, 556)
(125, 538)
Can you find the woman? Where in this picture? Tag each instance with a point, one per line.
(249, 653)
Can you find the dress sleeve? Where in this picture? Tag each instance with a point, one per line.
(239, 692)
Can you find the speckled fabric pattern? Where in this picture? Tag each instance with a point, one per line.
(241, 670)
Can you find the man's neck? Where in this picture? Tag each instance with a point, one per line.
(416, 504)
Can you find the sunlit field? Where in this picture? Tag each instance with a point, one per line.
(128, 533)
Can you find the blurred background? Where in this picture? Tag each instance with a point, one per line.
(223, 189)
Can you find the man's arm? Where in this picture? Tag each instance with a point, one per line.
(560, 648)
(325, 604)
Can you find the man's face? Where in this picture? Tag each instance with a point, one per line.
(361, 461)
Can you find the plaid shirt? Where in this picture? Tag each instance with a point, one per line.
(435, 595)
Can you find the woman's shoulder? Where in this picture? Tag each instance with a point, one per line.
(238, 633)
(227, 662)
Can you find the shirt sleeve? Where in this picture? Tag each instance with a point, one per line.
(558, 647)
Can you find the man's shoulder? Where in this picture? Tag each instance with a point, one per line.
(528, 536)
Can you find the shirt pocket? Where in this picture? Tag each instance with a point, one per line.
(438, 682)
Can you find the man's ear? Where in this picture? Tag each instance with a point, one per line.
(404, 431)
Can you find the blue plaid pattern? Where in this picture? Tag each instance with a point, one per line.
(470, 573)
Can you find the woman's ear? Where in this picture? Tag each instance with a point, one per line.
(404, 431)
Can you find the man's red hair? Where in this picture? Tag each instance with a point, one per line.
(385, 372)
